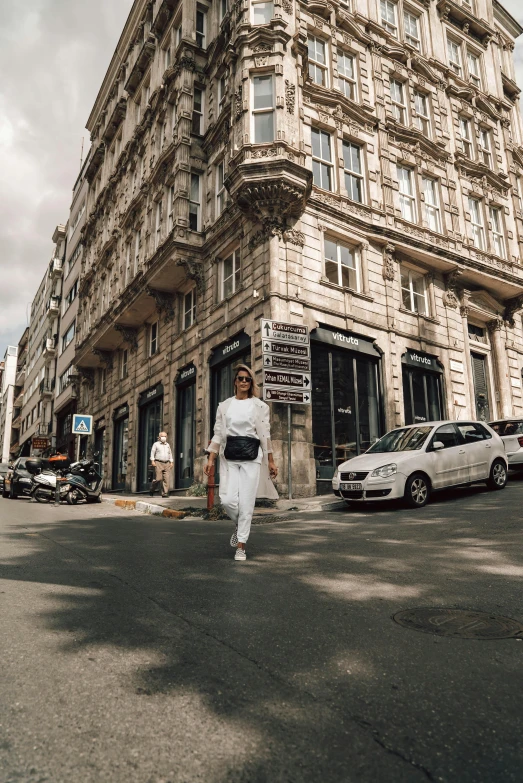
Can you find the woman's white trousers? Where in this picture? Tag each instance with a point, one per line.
(240, 496)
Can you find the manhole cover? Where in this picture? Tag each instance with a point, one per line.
(459, 623)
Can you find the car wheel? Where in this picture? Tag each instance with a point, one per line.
(498, 475)
(12, 492)
(417, 490)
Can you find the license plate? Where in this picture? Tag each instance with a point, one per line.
(350, 486)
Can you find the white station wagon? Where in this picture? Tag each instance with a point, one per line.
(410, 462)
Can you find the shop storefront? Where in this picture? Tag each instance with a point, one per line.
(347, 415)
(422, 387)
(150, 406)
(120, 446)
(99, 442)
(185, 426)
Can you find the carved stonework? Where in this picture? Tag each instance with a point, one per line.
(290, 96)
(193, 271)
(496, 324)
(389, 262)
(451, 294)
(130, 336)
(294, 237)
(511, 308)
(261, 61)
(464, 311)
(238, 102)
(287, 6)
(262, 47)
(164, 303)
(86, 376)
(271, 227)
(106, 358)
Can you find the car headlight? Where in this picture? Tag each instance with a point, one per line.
(385, 471)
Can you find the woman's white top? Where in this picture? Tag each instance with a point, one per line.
(241, 420)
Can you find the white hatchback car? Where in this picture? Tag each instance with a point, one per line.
(410, 462)
(511, 433)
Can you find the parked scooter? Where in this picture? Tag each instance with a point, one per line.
(44, 480)
(85, 482)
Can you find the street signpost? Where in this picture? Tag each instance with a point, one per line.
(82, 425)
(286, 360)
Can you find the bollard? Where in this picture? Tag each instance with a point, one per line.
(210, 488)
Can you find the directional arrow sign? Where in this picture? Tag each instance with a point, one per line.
(285, 349)
(289, 333)
(287, 362)
(287, 378)
(286, 395)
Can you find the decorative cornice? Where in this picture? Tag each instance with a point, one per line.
(130, 336)
(164, 303)
(193, 271)
(106, 358)
(451, 294)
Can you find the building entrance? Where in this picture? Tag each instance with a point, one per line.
(346, 401)
(481, 386)
(185, 426)
(422, 387)
(120, 447)
(151, 423)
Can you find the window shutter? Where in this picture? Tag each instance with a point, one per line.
(480, 375)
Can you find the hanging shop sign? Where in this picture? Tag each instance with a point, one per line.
(236, 345)
(151, 394)
(40, 443)
(186, 374)
(422, 361)
(347, 340)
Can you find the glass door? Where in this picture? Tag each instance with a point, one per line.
(422, 396)
(186, 436)
(120, 452)
(150, 425)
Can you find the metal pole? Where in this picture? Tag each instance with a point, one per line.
(289, 455)
(78, 448)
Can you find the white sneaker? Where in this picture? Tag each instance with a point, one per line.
(234, 538)
(240, 554)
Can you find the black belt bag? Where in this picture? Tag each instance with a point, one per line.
(241, 448)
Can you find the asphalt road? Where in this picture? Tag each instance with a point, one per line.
(135, 650)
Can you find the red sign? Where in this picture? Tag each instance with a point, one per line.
(41, 443)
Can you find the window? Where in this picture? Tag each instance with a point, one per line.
(347, 75)
(153, 339)
(498, 240)
(103, 381)
(476, 218)
(178, 34)
(124, 366)
(195, 204)
(201, 25)
(147, 94)
(342, 264)
(322, 168)
(197, 112)
(411, 27)
(353, 171)
(422, 118)
(220, 188)
(127, 276)
(318, 61)
(167, 57)
(174, 119)
(263, 109)
(431, 206)
(407, 198)
(476, 333)
(397, 95)
(447, 435)
(138, 110)
(230, 275)
(518, 192)
(137, 242)
(389, 17)
(485, 147)
(454, 52)
(222, 90)
(170, 209)
(159, 215)
(68, 337)
(465, 137)
(72, 294)
(189, 308)
(65, 379)
(473, 67)
(262, 11)
(413, 291)
(224, 7)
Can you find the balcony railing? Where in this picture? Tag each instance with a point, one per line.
(19, 401)
(16, 423)
(47, 388)
(20, 376)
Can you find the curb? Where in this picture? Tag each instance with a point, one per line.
(147, 508)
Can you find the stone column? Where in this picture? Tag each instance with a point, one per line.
(496, 327)
(464, 311)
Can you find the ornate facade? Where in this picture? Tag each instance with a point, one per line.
(356, 166)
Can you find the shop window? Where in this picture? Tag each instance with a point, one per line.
(476, 219)
(422, 396)
(399, 105)
(262, 11)
(201, 28)
(347, 83)
(220, 188)
(197, 112)
(422, 118)
(195, 210)
(318, 69)
(153, 339)
(322, 166)
(354, 182)
(496, 225)
(413, 291)
(406, 194)
(189, 308)
(230, 272)
(342, 264)
(263, 109)
(431, 204)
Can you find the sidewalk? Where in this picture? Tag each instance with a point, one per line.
(172, 506)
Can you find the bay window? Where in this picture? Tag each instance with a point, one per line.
(195, 204)
(262, 11)
(189, 308)
(220, 188)
(197, 112)
(263, 109)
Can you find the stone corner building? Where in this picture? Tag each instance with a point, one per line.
(353, 166)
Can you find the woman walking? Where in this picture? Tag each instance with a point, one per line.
(242, 439)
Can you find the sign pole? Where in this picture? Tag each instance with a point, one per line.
(78, 448)
(289, 455)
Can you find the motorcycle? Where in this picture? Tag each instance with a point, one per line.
(84, 482)
(77, 481)
(44, 481)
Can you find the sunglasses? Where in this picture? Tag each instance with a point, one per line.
(243, 379)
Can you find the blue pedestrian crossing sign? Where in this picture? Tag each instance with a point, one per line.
(82, 424)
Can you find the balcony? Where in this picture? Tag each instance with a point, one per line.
(19, 400)
(47, 389)
(20, 376)
(56, 268)
(53, 307)
(49, 349)
(16, 423)
(140, 66)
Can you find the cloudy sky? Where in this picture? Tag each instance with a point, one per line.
(53, 56)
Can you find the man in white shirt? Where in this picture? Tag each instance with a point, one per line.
(162, 462)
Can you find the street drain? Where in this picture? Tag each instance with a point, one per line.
(459, 623)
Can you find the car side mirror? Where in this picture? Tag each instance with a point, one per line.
(437, 445)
